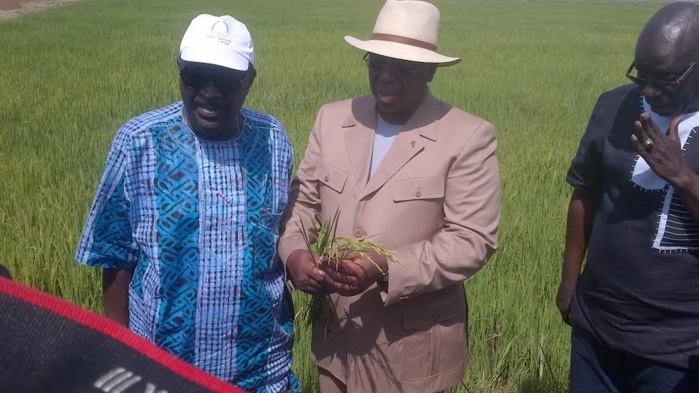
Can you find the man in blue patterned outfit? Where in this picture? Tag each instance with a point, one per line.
(185, 222)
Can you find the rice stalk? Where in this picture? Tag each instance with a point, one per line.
(332, 249)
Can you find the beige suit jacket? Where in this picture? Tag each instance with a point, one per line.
(435, 201)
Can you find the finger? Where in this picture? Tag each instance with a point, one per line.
(640, 149)
(649, 126)
(672, 131)
(342, 267)
(330, 264)
(357, 262)
(342, 278)
(354, 263)
(316, 274)
(311, 287)
(566, 317)
(566, 320)
(316, 285)
(352, 255)
(330, 267)
(342, 289)
(640, 132)
(349, 280)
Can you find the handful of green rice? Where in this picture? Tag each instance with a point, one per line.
(332, 249)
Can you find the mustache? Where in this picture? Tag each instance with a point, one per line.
(387, 89)
(209, 105)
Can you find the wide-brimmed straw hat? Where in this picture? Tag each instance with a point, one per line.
(407, 30)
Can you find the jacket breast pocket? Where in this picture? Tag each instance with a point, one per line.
(420, 188)
(331, 176)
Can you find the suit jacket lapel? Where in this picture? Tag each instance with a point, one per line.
(409, 143)
(360, 139)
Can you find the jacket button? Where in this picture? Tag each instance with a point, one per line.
(418, 194)
(357, 232)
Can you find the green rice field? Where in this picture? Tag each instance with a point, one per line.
(70, 76)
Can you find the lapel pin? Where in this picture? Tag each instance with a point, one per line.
(412, 143)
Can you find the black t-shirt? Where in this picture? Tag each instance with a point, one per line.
(639, 291)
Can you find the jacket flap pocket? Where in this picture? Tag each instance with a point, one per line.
(418, 188)
(431, 314)
(331, 176)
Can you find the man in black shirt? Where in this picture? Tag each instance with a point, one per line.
(635, 211)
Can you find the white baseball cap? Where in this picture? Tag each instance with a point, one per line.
(218, 40)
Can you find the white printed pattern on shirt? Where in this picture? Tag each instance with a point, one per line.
(677, 230)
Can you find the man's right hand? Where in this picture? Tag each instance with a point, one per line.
(581, 215)
(303, 270)
(563, 297)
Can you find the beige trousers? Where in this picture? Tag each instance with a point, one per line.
(330, 384)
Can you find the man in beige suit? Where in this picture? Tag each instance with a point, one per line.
(420, 175)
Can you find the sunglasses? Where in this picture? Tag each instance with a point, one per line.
(659, 82)
(398, 68)
(196, 78)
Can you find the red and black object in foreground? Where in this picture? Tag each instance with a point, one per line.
(49, 345)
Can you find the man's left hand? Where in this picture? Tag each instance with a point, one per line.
(663, 153)
(353, 275)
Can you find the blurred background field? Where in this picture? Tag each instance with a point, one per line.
(71, 76)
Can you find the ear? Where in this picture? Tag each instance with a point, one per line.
(430, 73)
(249, 80)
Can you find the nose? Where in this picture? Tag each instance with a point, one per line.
(210, 90)
(650, 91)
(386, 73)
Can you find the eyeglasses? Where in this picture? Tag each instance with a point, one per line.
(196, 78)
(398, 68)
(659, 82)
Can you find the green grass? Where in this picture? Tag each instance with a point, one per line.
(71, 76)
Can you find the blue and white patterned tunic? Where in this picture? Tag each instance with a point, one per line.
(198, 222)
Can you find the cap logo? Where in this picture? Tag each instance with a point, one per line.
(219, 29)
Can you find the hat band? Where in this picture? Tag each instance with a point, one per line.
(404, 40)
